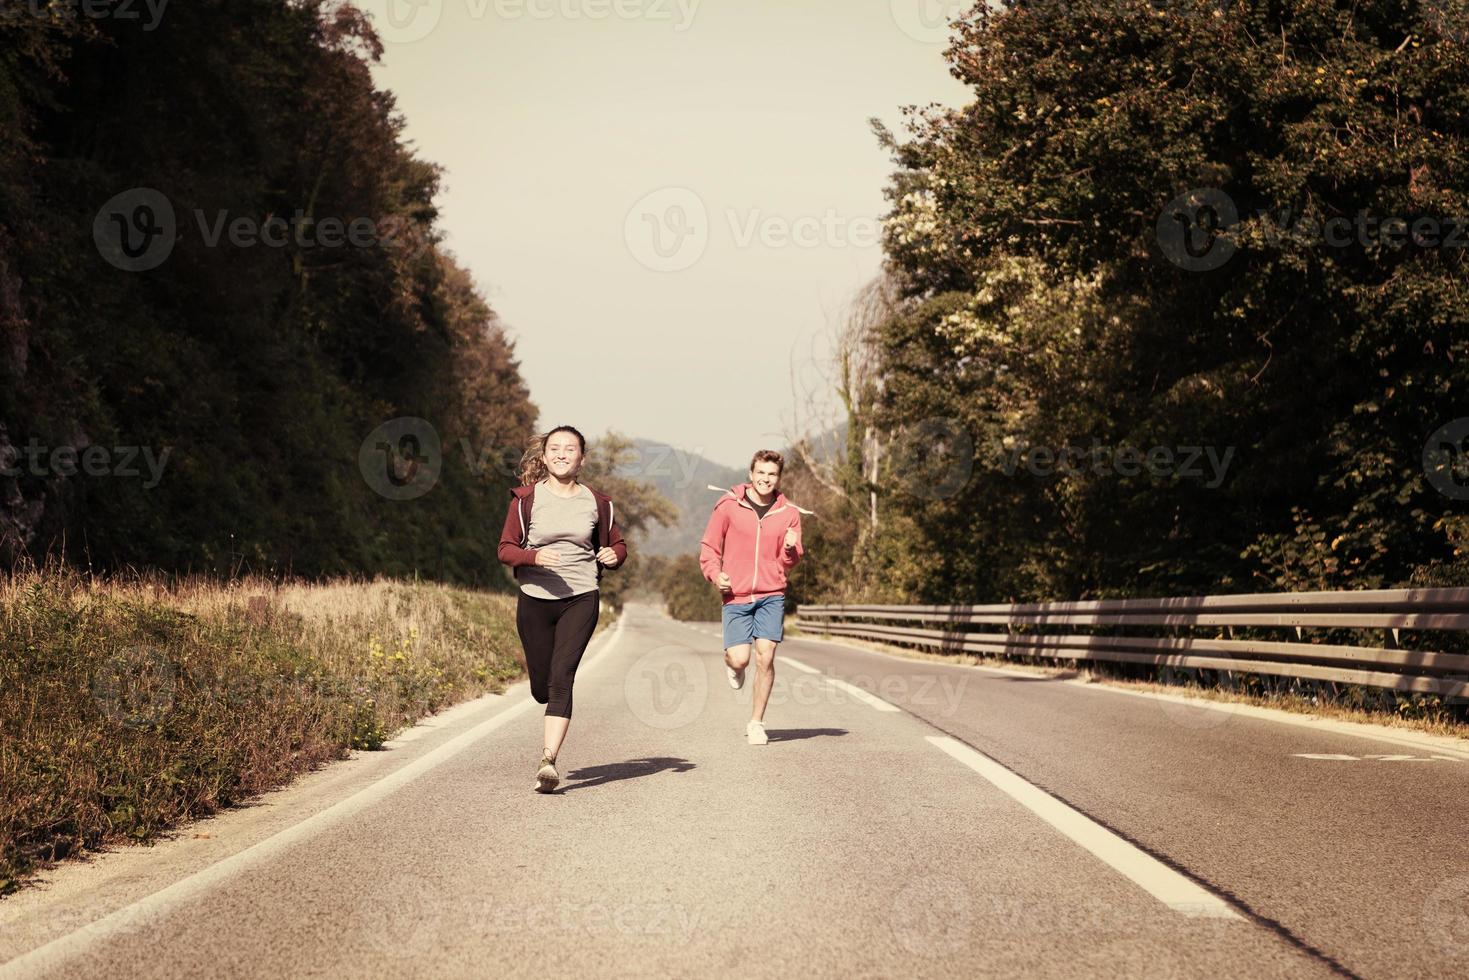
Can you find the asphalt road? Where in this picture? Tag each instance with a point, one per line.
(907, 818)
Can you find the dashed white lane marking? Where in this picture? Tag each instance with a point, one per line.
(1153, 876)
(148, 910)
(1418, 740)
(1339, 757)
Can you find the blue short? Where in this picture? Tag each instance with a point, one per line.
(745, 621)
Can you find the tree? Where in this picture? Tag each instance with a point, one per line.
(1073, 279)
(258, 371)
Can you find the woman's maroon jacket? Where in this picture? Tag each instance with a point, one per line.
(513, 551)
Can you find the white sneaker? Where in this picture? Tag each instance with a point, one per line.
(736, 677)
(755, 733)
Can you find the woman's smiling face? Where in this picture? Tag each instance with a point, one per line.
(563, 455)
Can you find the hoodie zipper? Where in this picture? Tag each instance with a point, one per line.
(759, 523)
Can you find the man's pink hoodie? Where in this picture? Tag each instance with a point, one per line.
(750, 550)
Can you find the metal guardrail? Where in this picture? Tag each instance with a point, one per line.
(1030, 630)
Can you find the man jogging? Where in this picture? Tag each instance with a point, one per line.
(752, 539)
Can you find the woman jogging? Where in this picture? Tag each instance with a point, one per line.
(558, 536)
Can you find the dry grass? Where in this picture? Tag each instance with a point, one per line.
(129, 707)
(1416, 713)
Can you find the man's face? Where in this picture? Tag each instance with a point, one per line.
(765, 477)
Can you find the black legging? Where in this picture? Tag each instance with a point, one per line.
(555, 633)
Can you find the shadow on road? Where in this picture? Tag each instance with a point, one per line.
(631, 769)
(792, 734)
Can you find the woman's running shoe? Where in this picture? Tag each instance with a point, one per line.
(547, 777)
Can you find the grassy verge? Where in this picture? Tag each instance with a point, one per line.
(128, 708)
(1416, 713)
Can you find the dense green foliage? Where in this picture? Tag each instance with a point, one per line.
(260, 370)
(1041, 300)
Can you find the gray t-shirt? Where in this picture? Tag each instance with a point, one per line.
(565, 525)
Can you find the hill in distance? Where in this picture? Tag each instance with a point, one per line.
(684, 478)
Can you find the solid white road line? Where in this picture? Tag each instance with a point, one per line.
(1153, 876)
(153, 907)
(866, 697)
(798, 665)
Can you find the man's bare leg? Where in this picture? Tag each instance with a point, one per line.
(737, 657)
(764, 676)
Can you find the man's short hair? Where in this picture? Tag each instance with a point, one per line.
(769, 456)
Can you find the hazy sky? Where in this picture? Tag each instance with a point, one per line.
(669, 202)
